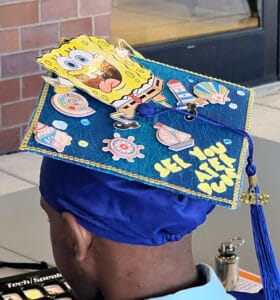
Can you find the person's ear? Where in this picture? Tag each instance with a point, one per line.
(82, 237)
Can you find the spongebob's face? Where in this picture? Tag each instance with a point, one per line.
(93, 65)
(77, 60)
(96, 71)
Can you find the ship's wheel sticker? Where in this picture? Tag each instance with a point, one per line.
(123, 148)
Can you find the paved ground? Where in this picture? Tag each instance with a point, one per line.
(20, 240)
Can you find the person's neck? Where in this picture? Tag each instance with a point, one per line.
(145, 272)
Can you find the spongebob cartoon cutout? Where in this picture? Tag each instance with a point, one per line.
(96, 67)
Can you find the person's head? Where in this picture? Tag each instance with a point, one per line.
(108, 232)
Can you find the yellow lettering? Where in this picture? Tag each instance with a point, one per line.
(205, 167)
(173, 167)
(205, 187)
(227, 160)
(163, 172)
(166, 166)
(227, 180)
(219, 148)
(198, 153)
(218, 188)
(215, 163)
(208, 152)
(180, 162)
(202, 176)
(231, 173)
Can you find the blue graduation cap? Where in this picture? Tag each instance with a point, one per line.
(176, 130)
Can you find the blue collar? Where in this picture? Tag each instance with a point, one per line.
(212, 289)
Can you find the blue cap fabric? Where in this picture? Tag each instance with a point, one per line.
(118, 209)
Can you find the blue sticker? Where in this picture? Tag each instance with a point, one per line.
(240, 93)
(233, 105)
(227, 141)
(59, 124)
(85, 122)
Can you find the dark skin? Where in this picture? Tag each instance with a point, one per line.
(95, 266)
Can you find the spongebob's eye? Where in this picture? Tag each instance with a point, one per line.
(68, 63)
(81, 57)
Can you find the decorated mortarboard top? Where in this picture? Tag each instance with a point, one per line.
(142, 120)
(114, 112)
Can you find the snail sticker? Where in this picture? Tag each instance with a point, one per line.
(105, 73)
